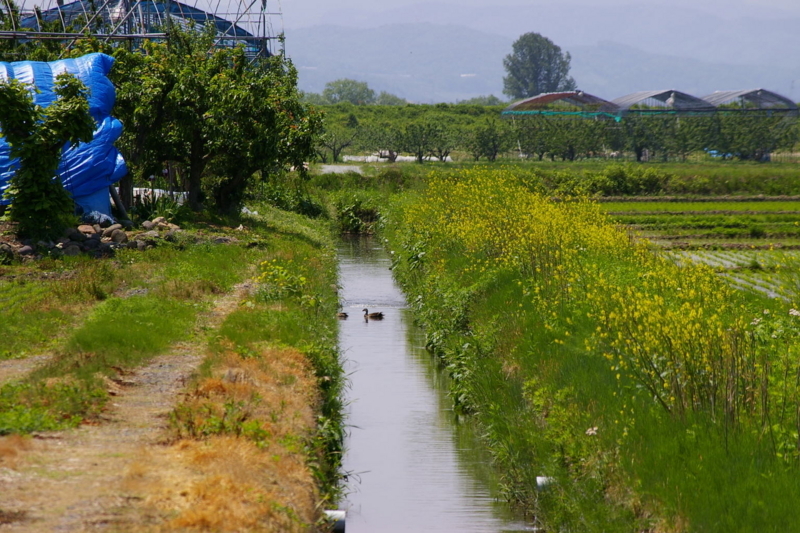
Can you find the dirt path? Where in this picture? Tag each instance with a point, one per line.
(13, 369)
(76, 480)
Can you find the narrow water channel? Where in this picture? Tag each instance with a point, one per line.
(412, 468)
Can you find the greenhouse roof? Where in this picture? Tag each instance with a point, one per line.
(757, 98)
(663, 100)
(574, 98)
(150, 16)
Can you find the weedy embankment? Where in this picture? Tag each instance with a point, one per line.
(657, 398)
(254, 440)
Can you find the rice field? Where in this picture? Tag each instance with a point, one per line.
(753, 244)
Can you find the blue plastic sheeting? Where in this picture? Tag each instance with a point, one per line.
(87, 168)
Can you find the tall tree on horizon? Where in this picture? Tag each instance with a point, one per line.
(535, 66)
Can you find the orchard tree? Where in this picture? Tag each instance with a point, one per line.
(215, 113)
(337, 135)
(389, 99)
(488, 139)
(384, 138)
(347, 90)
(536, 66)
(36, 135)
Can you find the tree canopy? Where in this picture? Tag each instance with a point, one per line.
(347, 90)
(535, 66)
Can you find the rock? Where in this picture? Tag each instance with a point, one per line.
(148, 235)
(173, 227)
(119, 236)
(159, 220)
(162, 225)
(86, 229)
(74, 234)
(26, 250)
(106, 248)
(97, 228)
(147, 225)
(224, 240)
(72, 250)
(91, 244)
(95, 237)
(111, 229)
(6, 254)
(142, 246)
(62, 241)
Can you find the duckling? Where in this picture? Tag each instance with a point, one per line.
(341, 316)
(372, 316)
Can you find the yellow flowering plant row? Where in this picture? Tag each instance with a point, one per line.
(576, 345)
(681, 333)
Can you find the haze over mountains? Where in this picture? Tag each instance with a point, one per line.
(439, 52)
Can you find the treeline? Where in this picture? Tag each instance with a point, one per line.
(483, 133)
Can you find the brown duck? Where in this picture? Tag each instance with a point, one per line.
(372, 316)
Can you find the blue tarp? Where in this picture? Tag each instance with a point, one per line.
(87, 168)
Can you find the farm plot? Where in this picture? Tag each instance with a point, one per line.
(754, 244)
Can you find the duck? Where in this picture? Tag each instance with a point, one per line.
(372, 316)
(342, 316)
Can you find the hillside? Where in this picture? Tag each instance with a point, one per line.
(426, 63)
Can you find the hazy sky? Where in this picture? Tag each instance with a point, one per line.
(300, 13)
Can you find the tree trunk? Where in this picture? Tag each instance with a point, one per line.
(197, 165)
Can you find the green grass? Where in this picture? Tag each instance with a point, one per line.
(124, 330)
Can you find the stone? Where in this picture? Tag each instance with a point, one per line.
(86, 229)
(97, 228)
(132, 245)
(74, 234)
(148, 235)
(148, 225)
(162, 225)
(6, 254)
(72, 250)
(91, 244)
(106, 248)
(26, 250)
(62, 241)
(159, 220)
(111, 229)
(119, 236)
(142, 246)
(224, 240)
(173, 227)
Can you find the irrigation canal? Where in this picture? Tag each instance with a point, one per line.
(411, 466)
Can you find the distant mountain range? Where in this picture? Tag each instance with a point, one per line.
(427, 63)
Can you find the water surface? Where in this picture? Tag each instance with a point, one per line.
(412, 468)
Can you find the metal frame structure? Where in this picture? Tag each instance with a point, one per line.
(236, 21)
(570, 103)
(647, 103)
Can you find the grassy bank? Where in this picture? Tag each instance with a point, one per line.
(267, 394)
(657, 398)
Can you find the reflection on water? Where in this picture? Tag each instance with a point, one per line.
(412, 468)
